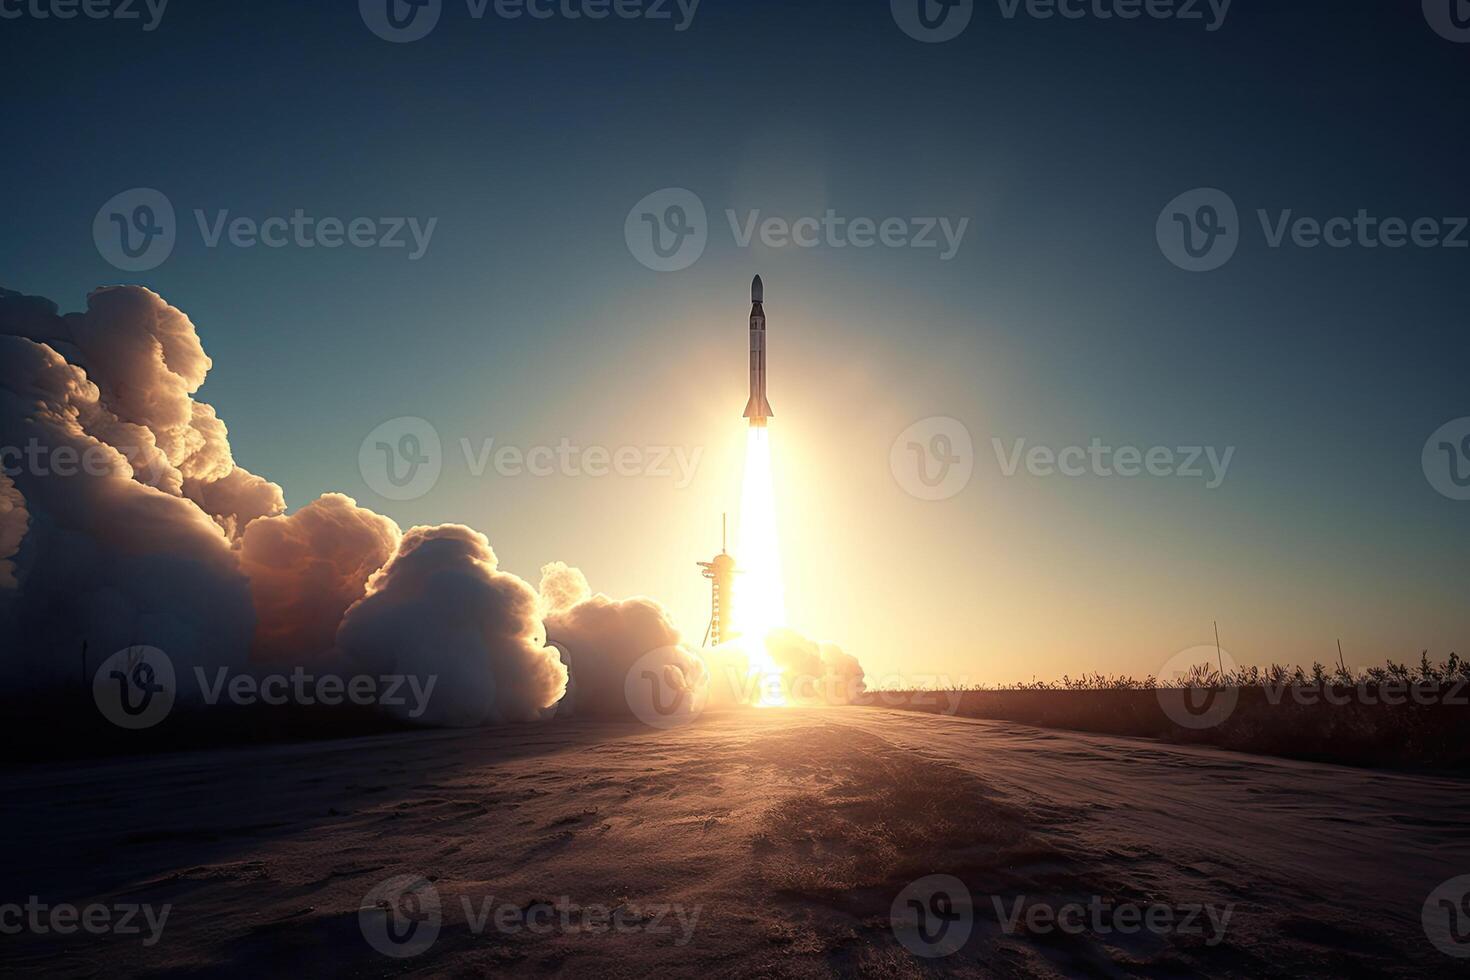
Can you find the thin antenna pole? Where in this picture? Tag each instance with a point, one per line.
(725, 532)
(1219, 657)
(1340, 662)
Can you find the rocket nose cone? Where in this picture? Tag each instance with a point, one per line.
(757, 291)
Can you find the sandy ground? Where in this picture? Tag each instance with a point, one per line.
(759, 843)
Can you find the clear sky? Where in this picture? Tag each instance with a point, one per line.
(1058, 320)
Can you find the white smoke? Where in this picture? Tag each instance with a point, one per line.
(104, 561)
(814, 673)
(306, 569)
(441, 609)
(125, 520)
(604, 638)
(562, 587)
(146, 362)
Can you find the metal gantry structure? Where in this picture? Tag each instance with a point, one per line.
(721, 573)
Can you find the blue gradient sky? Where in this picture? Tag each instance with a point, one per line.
(529, 321)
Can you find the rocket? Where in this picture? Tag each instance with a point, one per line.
(758, 410)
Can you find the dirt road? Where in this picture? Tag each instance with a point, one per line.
(758, 843)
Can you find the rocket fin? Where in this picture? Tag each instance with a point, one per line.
(758, 408)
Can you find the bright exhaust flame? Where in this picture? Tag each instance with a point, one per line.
(760, 594)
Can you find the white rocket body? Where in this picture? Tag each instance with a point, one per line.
(758, 409)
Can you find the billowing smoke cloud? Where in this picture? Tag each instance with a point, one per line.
(124, 520)
(13, 523)
(562, 587)
(305, 570)
(146, 362)
(812, 672)
(605, 638)
(441, 610)
(105, 561)
(233, 497)
(809, 673)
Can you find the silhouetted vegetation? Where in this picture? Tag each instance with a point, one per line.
(1398, 715)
